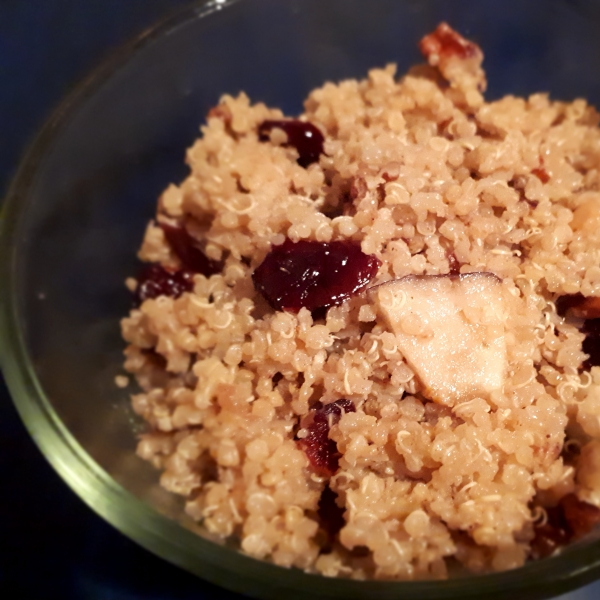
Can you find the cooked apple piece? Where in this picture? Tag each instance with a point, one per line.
(450, 329)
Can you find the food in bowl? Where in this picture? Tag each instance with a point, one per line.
(368, 338)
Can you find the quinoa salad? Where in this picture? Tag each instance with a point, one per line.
(367, 340)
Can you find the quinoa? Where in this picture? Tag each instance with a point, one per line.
(310, 436)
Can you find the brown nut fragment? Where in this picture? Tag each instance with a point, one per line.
(459, 62)
(445, 43)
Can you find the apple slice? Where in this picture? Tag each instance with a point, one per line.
(450, 329)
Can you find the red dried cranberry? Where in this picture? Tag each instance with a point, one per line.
(305, 137)
(588, 308)
(547, 540)
(566, 302)
(319, 314)
(568, 521)
(578, 305)
(319, 449)
(156, 281)
(188, 252)
(331, 516)
(553, 534)
(591, 343)
(581, 517)
(313, 275)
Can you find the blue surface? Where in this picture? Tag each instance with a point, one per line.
(51, 544)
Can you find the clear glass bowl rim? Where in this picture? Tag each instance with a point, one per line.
(576, 566)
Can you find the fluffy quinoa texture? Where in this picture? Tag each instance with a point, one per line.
(431, 179)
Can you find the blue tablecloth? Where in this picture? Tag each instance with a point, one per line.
(51, 544)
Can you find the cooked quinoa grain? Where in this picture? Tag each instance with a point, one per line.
(411, 393)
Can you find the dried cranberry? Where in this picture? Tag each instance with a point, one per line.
(553, 534)
(305, 137)
(319, 449)
(588, 308)
(581, 517)
(547, 540)
(331, 516)
(187, 251)
(591, 343)
(319, 314)
(591, 327)
(156, 281)
(566, 302)
(313, 275)
(568, 521)
(578, 305)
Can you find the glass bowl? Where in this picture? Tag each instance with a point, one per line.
(77, 208)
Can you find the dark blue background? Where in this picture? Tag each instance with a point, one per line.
(51, 544)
